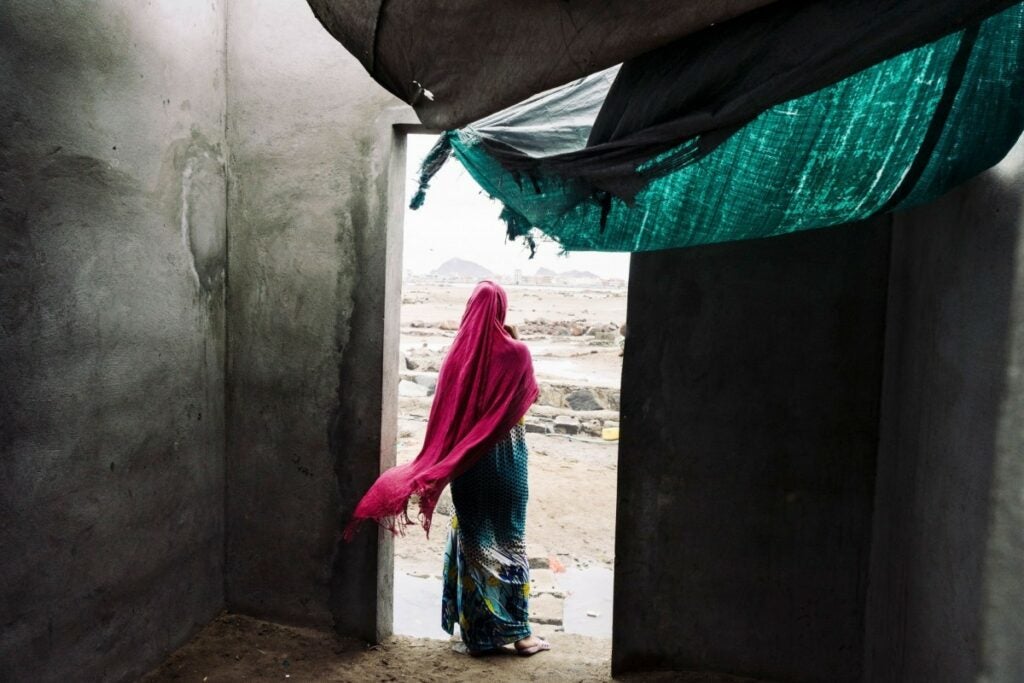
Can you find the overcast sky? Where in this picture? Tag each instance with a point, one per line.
(459, 220)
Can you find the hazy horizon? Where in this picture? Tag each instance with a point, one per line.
(459, 221)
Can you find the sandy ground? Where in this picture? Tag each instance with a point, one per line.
(571, 513)
(577, 359)
(436, 302)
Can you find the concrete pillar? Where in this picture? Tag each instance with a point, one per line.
(311, 146)
(750, 405)
(948, 556)
(784, 512)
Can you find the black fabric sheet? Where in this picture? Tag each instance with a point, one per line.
(475, 57)
(703, 87)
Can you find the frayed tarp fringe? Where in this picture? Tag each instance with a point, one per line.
(517, 227)
(432, 163)
(895, 135)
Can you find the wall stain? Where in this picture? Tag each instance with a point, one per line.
(354, 428)
(192, 190)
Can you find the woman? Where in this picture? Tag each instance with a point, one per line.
(475, 440)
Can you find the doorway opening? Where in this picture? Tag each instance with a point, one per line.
(570, 309)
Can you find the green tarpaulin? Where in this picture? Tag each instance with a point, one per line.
(894, 135)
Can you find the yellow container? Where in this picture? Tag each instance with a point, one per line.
(610, 433)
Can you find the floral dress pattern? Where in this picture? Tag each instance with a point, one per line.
(486, 570)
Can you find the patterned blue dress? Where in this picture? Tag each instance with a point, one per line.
(486, 570)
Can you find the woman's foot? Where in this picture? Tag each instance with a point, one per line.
(531, 645)
(463, 650)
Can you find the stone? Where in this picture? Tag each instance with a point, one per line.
(427, 380)
(592, 427)
(407, 388)
(445, 506)
(565, 424)
(613, 400)
(550, 396)
(538, 557)
(539, 562)
(603, 332)
(582, 399)
(546, 609)
(449, 325)
(410, 364)
(538, 427)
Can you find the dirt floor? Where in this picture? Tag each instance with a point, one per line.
(237, 648)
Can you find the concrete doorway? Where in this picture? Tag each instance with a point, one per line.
(570, 310)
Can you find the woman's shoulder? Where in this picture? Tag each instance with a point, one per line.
(517, 350)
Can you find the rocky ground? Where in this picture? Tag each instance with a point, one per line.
(576, 345)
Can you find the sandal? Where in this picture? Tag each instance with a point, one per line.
(541, 646)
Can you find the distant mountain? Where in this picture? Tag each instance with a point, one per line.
(456, 267)
(568, 274)
(581, 275)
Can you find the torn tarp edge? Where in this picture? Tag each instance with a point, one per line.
(517, 226)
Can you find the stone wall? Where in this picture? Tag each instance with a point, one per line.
(112, 226)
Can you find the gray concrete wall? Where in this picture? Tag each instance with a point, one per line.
(750, 405)
(111, 333)
(310, 147)
(948, 558)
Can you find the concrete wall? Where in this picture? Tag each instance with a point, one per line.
(111, 333)
(807, 520)
(753, 379)
(750, 405)
(948, 556)
(310, 143)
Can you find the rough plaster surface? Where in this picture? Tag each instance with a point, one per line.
(306, 307)
(111, 333)
(948, 556)
(750, 402)
(112, 383)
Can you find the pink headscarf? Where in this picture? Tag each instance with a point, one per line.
(485, 385)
